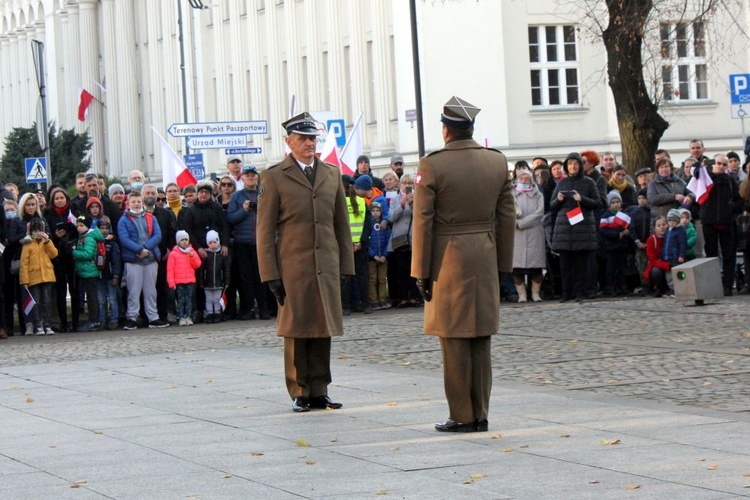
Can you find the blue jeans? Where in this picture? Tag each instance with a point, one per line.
(184, 295)
(108, 294)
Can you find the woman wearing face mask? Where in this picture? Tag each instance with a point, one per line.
(528, 245)
(61, 223)
(11, 287)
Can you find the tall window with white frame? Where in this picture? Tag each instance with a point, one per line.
(553, 55)
(684, 71)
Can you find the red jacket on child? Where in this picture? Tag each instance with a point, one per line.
(653, 252)
(181, 267)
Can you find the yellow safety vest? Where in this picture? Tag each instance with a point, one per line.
(357, 222)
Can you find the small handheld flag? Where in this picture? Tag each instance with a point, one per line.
(575, 216)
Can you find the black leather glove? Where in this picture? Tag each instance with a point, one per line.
(425, 288)
(277, 287)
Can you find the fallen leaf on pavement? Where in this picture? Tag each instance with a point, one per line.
(310, 462)
(242, 406)
(496, 436)
(507, 450)
(334, 440)
(634, 486)
(564, 435)
(382, 492)
(301, 443)
(395, 449)
(606, 442)
(392, 403)
(468, 481)
(98, 432)
(713, 467)
(228, 476)
(256, 454)
(209, 381)
(573, 341)
(29, 400)
(478, 475)
(594, 481)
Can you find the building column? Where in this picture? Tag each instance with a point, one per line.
(314, 58)
(221, 67)
(126, 99)
(256, 81)
(6, 96)
(336, 76)
(172, 76)
(357, 68)
(278, 102)
(112, 79)
(153, 84)
(73, 65)
(52, 64)
(239, 83)
(292, 53)
(64, 98)
(27, 102)
(381, 70)
(89, 55)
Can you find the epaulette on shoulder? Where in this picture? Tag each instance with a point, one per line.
(495, 150)
(435, 152)
(273, 166)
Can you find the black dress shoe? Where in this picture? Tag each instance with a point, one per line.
(451, 426)
(300, 405)
(324, 403)
(483, 425)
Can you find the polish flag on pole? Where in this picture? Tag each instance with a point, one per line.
(83, 104)
(575, 216)
(173, 169)
(329, 154)
(28, 303)
(223, 301)
(701, 186)
(352, 149)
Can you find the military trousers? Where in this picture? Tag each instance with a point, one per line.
(307, 367)
(467, 374)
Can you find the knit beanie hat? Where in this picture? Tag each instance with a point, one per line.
(674, 215)
(85, 219)
(214, 236)
(612, 195)
(641, 192)
(363, 182)
(115, 188)
(684, 211)
(182, 235)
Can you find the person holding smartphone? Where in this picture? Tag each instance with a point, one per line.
(405, 293)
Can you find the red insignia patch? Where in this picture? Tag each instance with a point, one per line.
(417, 179)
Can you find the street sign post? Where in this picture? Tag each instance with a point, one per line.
(739, 89)
(217, 142)
(194, 163)
(338, 129)
(251, 127)
(36, 170)
(243, 151)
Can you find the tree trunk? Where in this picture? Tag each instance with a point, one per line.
(640, 124)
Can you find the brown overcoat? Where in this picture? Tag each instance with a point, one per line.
(463, 228)
(304, 240)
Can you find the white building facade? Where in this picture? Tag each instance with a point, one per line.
(531, 66)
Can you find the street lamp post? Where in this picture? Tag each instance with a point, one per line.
(42, 128)
(196, 4)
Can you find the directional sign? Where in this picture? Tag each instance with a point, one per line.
(739, 89)
(243, 151)
(36, 170)
(218, 128)
(219, 142)
(194, 163)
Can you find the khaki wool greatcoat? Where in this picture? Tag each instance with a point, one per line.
(303, 239)
(463, 228)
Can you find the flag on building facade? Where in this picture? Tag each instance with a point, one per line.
(83, 105)
(173, 169)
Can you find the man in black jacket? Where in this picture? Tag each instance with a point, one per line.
(110, 208)
(204, 215)
(718, 216)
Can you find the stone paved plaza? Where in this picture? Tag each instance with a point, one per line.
(632, 398)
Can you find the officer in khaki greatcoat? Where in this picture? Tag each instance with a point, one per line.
(304, 246)
(463, 225)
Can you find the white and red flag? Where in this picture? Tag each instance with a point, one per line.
(620, 219)
(83, 104)
(701, 186)
(173, 169)
(329, 154)
(575, 216)
(28, 303)
(352, 149)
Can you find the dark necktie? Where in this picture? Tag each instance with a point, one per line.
(309, 173)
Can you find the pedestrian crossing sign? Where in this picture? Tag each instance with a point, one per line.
(36, 170)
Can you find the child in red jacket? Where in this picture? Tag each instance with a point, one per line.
(657, 269)
(181, 265)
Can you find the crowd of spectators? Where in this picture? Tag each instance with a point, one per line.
(142, 256)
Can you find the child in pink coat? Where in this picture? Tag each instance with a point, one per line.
(181, 265)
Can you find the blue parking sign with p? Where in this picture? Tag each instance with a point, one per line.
(338, 129)
(739, 88)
